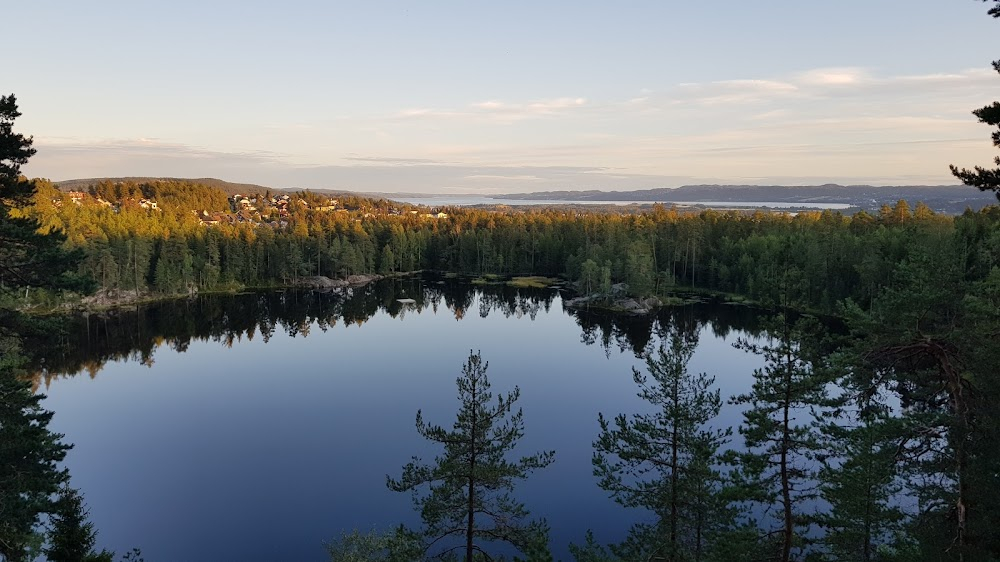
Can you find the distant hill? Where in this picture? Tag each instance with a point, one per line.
(229, 187)
(951, 199)
(942, 198)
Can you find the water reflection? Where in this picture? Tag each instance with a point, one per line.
(92, 340)
(264, 450)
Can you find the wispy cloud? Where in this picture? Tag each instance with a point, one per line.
(835, 124)
(833, 77)
(68, 159)
(498, 111)
(149, 147)
(387, 160)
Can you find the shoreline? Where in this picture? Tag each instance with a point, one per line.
(106, 301)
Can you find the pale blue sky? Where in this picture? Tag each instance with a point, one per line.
(470, 96)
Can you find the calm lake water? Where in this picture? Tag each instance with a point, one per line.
(257, 426)
(469, 200)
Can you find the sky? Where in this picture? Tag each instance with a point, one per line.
(504, 97)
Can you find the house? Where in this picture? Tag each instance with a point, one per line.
(209, 220)
(76, 196)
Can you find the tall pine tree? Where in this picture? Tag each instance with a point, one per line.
(664, 461)
(780, 430)
(468, 504)
(30, 454)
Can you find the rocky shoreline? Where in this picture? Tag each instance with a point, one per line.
(109, 299)
(617, 301)
(322, 282)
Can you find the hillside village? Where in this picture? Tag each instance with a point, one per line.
(253, 209)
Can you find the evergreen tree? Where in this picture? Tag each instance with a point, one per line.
(592, 551)
(861, 484)
(780, 430)
(72, 537)
(931, 336)
(468, 503)
(396, 546)
(28, 258)
(983, 178)
(30, 455)
(664, 461)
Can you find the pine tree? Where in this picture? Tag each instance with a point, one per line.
(931, 335)
(468, 503)
(980, 177)
(398, 545)
(28, 258)
(664, 461)
(861, 485)
(29, 459)
(780, 430)
(30, 453)
(72, 537)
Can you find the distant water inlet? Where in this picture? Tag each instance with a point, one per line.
(467, 201)
(258, 426)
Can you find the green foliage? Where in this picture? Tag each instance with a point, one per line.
(664, 461)
(860, 482)
(30, 454)
(781, 430)
(28, 257)
(986, 179)
(398, 545)
(929, 338)
(464, 496)
(592, 551)
(71, 536)
(810, 261)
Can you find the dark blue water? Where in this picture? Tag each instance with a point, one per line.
(196, 440)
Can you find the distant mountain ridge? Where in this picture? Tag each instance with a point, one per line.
(944, 198)
(952, 199)
(830, 193)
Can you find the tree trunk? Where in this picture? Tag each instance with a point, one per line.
(472, 481)
(786, 495)
(673, 474)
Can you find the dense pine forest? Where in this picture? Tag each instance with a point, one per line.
(200, 238)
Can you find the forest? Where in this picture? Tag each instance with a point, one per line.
(811, 261)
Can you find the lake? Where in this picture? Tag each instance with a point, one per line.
(256, 426)
(471, 200)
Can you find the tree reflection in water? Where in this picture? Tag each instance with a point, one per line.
(88, 341)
